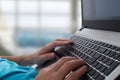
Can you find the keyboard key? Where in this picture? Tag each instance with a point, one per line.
(95, 63)
(101, 50)
(117, 48)
(75, 45)
(97, 42)
(82, 55)
(98, 66)
(59, 54)
(89, 69)
(119, 58)
(93, 46)
(92, 72)
(92, 41)
(92, 53)
(90, 60)
(105, 45)
(100, 77)
(97, 55)
(102, 44)
(89, 52)
(96, 47)
(103, 68)
(105, 60)
(75, 51)
(101, 58)
(108, 45)
(107, 52)
(111, 54)
(85, 43)
(112, 47)
(109, 62)
(95, 75)
(84, 58)
(86, 50)
(85, 77)
(112, 67)
(89, 45)
(116, 55)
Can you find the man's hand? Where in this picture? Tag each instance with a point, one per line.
(44, 54)
(51, 46)
(67, 68)
(47, 52)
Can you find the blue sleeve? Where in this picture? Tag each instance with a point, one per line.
(12, 71)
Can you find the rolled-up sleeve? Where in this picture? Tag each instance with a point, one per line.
(12, 71)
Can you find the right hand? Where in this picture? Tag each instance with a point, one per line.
(63, 69)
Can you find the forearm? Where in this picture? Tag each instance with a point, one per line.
(16, 59)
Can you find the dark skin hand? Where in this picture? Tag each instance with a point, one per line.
(63, 70)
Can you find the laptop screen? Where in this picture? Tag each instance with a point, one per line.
(101, 14)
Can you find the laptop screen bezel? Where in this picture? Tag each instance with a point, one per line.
(110, 25)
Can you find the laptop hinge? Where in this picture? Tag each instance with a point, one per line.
(82, 28)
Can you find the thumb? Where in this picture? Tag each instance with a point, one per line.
(48, 56)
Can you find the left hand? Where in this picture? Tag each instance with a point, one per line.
(47, 52)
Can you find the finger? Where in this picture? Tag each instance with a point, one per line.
(50, 47)
(48, 56)
(60, 62)
(61, 43)
(62, 39)
(68, 67)
(76, 75)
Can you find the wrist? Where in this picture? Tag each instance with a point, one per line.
(28, 60)
(16, 59)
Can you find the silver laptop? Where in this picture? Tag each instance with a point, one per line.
(98, 41)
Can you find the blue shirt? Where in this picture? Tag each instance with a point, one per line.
(12, 71)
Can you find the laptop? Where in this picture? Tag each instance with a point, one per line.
(98, 41)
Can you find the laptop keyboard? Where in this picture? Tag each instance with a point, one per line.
(102, 58)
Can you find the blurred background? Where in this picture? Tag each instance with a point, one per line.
(26, 25)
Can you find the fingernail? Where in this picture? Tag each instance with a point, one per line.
(71, 41)
(84, 67)
(52, 54)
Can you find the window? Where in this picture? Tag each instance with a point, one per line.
(7, 6)
(28, 6)
(35, 22)
(27, 21)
